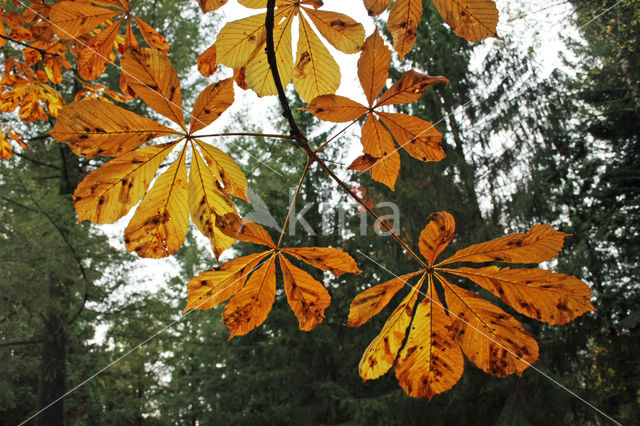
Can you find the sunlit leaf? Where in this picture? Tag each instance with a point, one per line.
(152, 77)
(381, 354)
(92, 127)
(306, 296)
(108, 193)
(403, 24)
(431, 362)
(316, 72)
(248, 308)
(159, 226)
(473, 20)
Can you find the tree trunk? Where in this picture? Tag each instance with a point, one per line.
(52, 372)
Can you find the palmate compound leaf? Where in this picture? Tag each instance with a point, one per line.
(99, 29)
(159, 225)
(418, 137)
(240, 44)
(431, 360)
(251, 302)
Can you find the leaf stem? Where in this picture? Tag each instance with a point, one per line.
(300, 138)
(293, 202)
(263, 135)
(318, 149)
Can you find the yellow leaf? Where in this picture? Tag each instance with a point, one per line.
(258, 75)
(373, 300)
(536, 293)
(212, 287)
(373, 66)
(431, 362)
(376, 7)
(206, 202)
(326, 258)
(341, 31)
(418, 137)
(225, 169)
(73, 19)
(91, 127)
(540, 244)
(473, 20)
(492, 339)
(335, 108)
(152, 77)
(159, 226)
(250, 306)
(108, 193)
(316, 72)
(306, 296)
(403, 24)
(436, 236)
(92, 60)
(211, 103)
(238, 41)
(383, 350)
(409, 88)
(261, 4)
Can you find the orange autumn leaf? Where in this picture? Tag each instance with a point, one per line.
(211, 5)
(418, 137)
(307, 296)
(492, 339)
(441, 330)
(376, 7)
(217, 285)
(371, 301)
(5, 147)
(329, 259)
(536, 293)
(540, 244)
(250, 304)
(152, 77)
(431, 361)
(100, 26)
(382, 352)
(160, 222)
(208, 62)
(473, 20)
(403, 24)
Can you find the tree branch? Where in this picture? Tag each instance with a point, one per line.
(42, 51)
(301, 139)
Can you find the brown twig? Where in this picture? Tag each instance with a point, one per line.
(301, 139)
(42, 51)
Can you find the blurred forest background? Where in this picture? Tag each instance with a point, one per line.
(523, 147)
